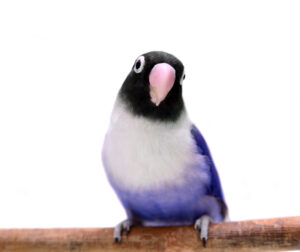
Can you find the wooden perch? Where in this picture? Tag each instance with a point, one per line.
(269, 234)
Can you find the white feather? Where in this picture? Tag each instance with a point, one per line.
(142, 153)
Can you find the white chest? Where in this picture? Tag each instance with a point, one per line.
(139, 153)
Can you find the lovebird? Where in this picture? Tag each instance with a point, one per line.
(155, 158)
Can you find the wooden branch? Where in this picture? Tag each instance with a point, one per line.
(269, 234)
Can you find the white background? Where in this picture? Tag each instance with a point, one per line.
(62, 63)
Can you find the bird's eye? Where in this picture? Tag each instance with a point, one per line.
(182, 78)
(139, 64)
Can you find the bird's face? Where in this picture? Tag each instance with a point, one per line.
(153, 88)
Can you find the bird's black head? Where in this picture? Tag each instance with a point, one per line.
(153, 87)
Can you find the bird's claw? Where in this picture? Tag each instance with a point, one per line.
(201, 227)
(204, 242)
(124, 226)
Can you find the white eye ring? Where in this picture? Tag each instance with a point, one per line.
(139, 64)
(182, 78)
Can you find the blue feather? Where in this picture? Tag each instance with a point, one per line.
(215, 188)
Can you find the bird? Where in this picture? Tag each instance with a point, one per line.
(155, 158)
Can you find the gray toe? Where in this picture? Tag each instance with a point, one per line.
(201, 227)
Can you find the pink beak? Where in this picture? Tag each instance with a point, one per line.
(161, 78)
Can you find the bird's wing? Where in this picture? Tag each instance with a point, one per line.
(215, 188)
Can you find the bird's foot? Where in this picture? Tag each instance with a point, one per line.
(201, 227)
(124, 226)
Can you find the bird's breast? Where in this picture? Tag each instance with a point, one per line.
(140, 154)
